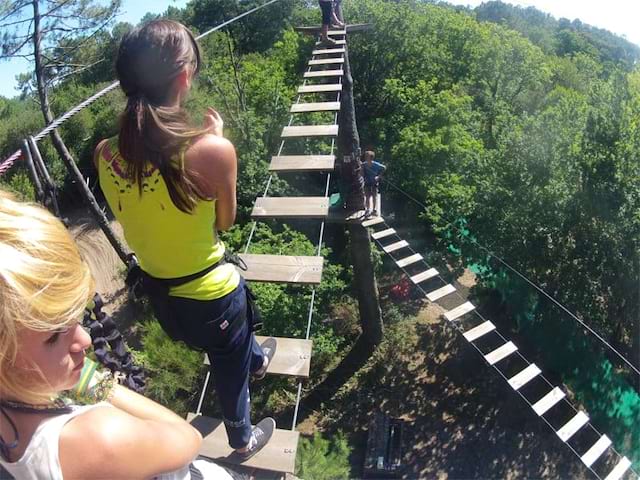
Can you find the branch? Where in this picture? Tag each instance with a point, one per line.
(17, 22)
(16, 50)
(17, 6)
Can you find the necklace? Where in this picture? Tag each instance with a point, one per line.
(57, 406)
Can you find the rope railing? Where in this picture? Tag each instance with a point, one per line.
(9, 162)
(533, 284)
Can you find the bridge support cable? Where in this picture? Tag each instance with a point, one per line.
(500, 349)
(533, 284)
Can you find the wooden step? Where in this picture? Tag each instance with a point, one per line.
(337, 32)
(524, 376)
(596, 451)
(291, 207)
(292, 357)
(441, 292)
(477, 332)
(501, 352)
(549, 400)
(395, 246)
(372, 221)
(324, 73)
(409, 260)
(426, 275)
(322, 88)
(619, 470)
(338, 42)
(278, 455)
(326, 61)
(310, 131)
(383, 233)
(283, 269)
(459, 311)
(302, 163)
(328, 51)
(570, 428)
(315, 107)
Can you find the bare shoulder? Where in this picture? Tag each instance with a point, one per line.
(96, 437)
(211, 149)
(99, 147)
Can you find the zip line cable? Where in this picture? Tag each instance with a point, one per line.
(526, 279)
(458, 328)
(8, 163)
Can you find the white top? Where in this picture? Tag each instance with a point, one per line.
(40, 459)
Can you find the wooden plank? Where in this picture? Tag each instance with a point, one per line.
(310, 131)
(477, 332)
(291, 207)
(459, 311)
(372, 221)
(283, 269)
(326, 61)
(619, 470)
(569, 429)
(321, 88)
(328, 51)
(441, 292)
(315, 107)
(409, 260)
(524, 376)
(395, 246)
(426, 275)
(338, 42)
(501, 352)
(596, 451)
(383, 233)
(356, 27)
(278, 455)
(324, 73)
(292, 357)
(302, 163)
(337, 32)
(549, 400)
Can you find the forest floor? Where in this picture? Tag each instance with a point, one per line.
(463, 421)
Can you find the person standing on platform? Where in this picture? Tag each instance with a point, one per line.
(372, 171)
(329, 19)
(172, 186)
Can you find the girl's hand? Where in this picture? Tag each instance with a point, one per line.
(213, 122)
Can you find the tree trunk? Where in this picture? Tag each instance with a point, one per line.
(364, 277)
(59, 145)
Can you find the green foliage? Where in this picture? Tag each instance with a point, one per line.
(321, 459)
(173, 368)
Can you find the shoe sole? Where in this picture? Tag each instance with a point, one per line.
(269, 340)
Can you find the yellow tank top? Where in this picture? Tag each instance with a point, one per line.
(168, 242)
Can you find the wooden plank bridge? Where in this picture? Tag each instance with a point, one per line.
(293, 356)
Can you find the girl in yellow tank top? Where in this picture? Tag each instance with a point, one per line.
(171, 186)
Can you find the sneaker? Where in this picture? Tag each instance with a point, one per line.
(374, 213)
(269, 350)
(260, 436)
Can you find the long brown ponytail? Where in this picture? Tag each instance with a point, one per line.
(152, 132)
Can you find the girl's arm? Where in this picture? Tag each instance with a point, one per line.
(213, 160)
(137, 439)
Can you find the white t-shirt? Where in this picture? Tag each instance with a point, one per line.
(40, 459)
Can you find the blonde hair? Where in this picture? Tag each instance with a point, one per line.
(44, 285)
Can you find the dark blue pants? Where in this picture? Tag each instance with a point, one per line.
(223, 329)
